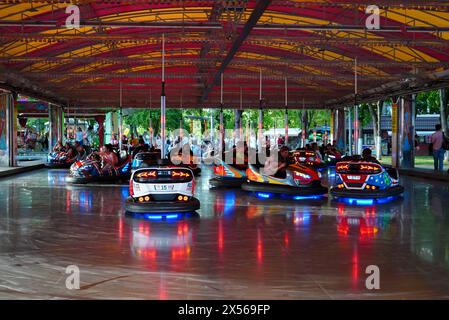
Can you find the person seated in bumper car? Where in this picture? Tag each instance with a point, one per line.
(108, 158)
(81, 152)
(317, 151)
(58, 147)
(239, 159)
(277, 163)
(368, 157)
(141, 147)
(70, 150)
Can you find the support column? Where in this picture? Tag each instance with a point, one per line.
(286, 113)
(60, 113)
(163, 137)
(260, 141)
(378, 138)
(356, 130)
(305, 128)
(8, 130)
(54, 125)
(332, 127)
(100, 121)
(286, 126)
(12, 129)
(237, 122)
(350, 152)
(408, 132)
(110, 126)
(395, 136)
(340, 130)
(222, 132)
(211, 131)
(4, 134)
(151, 131)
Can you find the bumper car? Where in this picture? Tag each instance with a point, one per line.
(300, 181)
(162, 189)
(58, 160)
(189, 163)
(90, 170)
(308, 158)
(145, 160)
(228, 176)
(365, 180)
(331, 158)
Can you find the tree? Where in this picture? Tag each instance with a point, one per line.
(428, 102)
(444, 109)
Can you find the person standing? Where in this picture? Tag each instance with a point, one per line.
(436, 139)
(89, 136)
(79, 137)
(114, 141)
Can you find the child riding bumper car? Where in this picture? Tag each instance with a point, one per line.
(59, 160)
(308, 158)
(281, 177)
(97, 169)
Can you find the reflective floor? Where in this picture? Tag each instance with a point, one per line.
(236, 247)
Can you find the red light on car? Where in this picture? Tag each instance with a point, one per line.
(180, 174)
(342, 167)
(301, 176)
(147, 174)
(131, 188)
(369, 167)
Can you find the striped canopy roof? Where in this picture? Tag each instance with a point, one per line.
(309, 45)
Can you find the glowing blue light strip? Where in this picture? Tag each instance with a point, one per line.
(366, 202)
(362, 202)
(386, 200)
(264, 195)
(161, 217)
(306, 197)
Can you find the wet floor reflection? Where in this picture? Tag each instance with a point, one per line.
(236, 246)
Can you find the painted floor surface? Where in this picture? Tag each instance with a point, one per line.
(237, 247)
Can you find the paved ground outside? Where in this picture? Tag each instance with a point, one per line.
(421, 162)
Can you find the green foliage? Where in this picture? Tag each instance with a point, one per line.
(37, 123)
(428, 102)
(364, 115)
(318, 118)
(140, 119)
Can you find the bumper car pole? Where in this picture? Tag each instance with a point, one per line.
(163, 100)
(222, 133)
(120, 125)
(286, 114)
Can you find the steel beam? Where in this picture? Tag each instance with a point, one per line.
(113, 24)
(257, 12)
